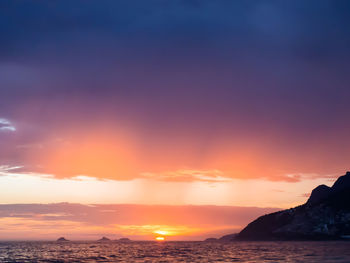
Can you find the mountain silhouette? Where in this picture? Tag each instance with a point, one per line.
(326, 215)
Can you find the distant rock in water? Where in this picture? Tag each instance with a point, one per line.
(228, 238)
(104, 239)
(62, 239)
(326, 215)
(124, 239)
(211, 239)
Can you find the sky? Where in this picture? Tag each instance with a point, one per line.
(169, 104)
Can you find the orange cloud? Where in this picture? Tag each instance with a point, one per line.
(99, 155)
(188, 175)
(76, 221)
(117, 154)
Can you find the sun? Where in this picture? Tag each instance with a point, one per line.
(160, 238)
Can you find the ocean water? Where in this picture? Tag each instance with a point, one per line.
(331, 251)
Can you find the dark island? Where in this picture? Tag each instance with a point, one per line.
(104, 239)
(325, 216)
(123, 239)
(62, 239)
(211, 239)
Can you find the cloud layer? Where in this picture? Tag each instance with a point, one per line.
(125, 89)
(5, 125)
(48, 221)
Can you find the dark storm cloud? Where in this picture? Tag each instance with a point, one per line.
(85, 46)
(271, 71)
(27, 25)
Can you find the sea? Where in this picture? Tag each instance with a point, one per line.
(330, 251)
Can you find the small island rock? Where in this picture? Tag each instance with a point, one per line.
(62, 239)
(124, 239)
(211, 239)
(104, 239)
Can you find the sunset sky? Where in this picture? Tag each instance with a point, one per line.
(124, 118)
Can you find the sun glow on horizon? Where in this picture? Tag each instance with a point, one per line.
(162, 232)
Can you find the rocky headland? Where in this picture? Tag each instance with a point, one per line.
(325, 216)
